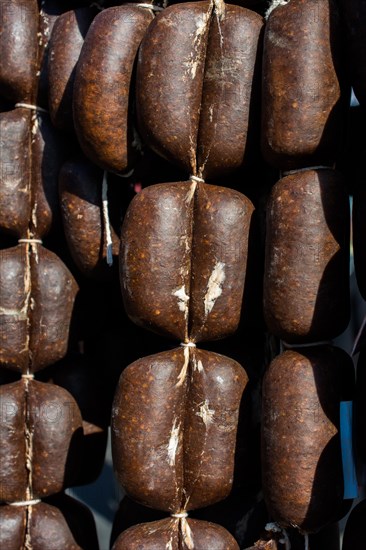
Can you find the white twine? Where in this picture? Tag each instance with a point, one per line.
(31, 107)
(196, 179)
(150, 7)
(31, 241)
(25, 502)
(107, 226)
(185, 528)
(219, 8)
(180, 515)
(28, 376)
(306, 539)
(275, 4)
(188, 344)
(299, 170)
(275, 528)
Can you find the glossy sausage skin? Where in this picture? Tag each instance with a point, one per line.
(306, 281)
(45, 446)
(174, 423)
(303, 105)
(37, 293)
(301, 451)
(169, 533)
(183, 259)
(197, 115)
(102, 86)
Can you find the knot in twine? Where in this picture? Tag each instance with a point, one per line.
(196, 179)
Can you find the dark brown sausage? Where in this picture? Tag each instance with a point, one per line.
(47, 158)
(53, 290)
(306, 281)
(47, 528)
(303, 109)
(81, 206)
(171, 535)
(183, 259)
(64, 49)
(197, 115)
(174, 425)
(229, 112)
(18, 46)
(301, 451)
(15, 197)
(31, 154)
(43, 455)
(37, 297)
(102, 85)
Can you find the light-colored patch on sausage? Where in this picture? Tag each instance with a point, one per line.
(275, 4)
(21, 314)
(197, 365)
(219, 379)
(186, 242)
(214, 286)
(169, 544)
(206, 413)
(183, 372)
(183, 299)
(202, 23)
(187, 533)
(173, 443)
(34, 214)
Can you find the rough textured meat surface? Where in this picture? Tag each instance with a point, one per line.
(65, 46)
(18, 46)
(301, 451)
(47, 527)
(197, 115)
(15, 199)
(101, 102)
(31, 154)
(37, 297)
(303, 107)
(306, 281)
(174, 423)
(183, 259)
(169, 534)
(41, 433)
(81, 206)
